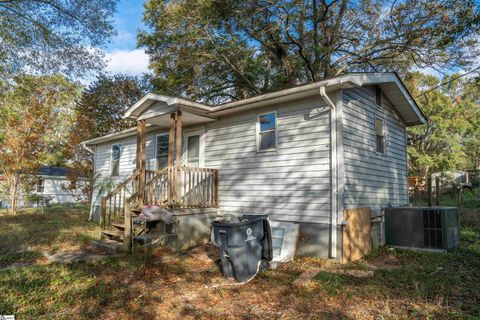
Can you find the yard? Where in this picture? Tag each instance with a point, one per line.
(404, 284)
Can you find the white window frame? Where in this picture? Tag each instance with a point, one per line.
(201, 156)
(40, 183)
(156, 147)
(111, 159)
(257, 133)
(381, 118)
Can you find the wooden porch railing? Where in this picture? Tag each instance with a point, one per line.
(183, 187)
(175, 186)
(112, 207)
(186, 187)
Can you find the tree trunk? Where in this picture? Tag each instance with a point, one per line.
(14, 193)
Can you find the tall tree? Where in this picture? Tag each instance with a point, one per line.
(100, 112)
(104, 102)
(216, 50)
(440, 144)
(54, 36)
(32, 112)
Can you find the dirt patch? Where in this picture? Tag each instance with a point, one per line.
(385, 262)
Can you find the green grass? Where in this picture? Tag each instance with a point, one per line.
(446, 282)
(422, 286)
(25, 235)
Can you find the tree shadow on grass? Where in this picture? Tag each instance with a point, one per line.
(23, 234)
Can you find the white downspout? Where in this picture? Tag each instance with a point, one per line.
(333, 150)
(84, 146)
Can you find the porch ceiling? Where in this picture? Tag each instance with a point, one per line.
(188, 119)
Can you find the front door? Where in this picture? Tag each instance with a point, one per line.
(193, 148)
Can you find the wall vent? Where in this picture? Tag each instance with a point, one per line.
(378, 96)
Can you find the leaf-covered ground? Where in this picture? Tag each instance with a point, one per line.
(405, 284)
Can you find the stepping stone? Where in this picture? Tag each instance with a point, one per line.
(110, 246)
(66, 257)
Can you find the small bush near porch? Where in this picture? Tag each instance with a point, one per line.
(404, 284)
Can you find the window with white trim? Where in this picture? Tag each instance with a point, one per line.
(40, 186)
(161, 153)
(267, 131)
(380, 135)
(115, 161)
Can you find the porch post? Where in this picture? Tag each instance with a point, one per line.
(171, 172)
(139, 146)
(178, 156)
(142, 157)
(178, 139)
(171, 139)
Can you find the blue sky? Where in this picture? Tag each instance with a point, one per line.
(122, 54)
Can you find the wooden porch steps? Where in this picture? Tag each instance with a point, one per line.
(119, 225)
(113, 233)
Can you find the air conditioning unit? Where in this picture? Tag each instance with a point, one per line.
(434, 228)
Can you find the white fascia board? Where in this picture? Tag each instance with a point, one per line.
(150, 98)
(284, 95)
(113, 136)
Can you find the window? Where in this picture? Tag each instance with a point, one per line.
(378, 97)
(193, 151)
(115, 165)
(40, 186)
(266, 128)
(162, 151)
(278, 235)
(380, 136)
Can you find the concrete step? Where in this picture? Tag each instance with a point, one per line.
(108, 245)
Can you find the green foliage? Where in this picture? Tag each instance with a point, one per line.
(103, 104)
(450, 139)
(215, 50)
(36, 118)
(55, 36)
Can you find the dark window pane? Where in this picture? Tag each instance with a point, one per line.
(380, 144)
(40, 186)
(267, 140)
(116, 150)
(267, 122)
(162, 145)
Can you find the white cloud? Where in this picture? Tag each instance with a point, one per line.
(132, 62)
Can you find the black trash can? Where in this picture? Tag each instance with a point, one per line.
(244, 245)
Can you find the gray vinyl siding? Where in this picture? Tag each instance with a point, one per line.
(103, 153)
(372, 180)
(292, 183)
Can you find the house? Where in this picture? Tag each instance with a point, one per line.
(50, 187)
(301, 155)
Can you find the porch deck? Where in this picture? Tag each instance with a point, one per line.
(174, 187)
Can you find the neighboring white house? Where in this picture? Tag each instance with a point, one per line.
(300, 155)
(50, 183)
